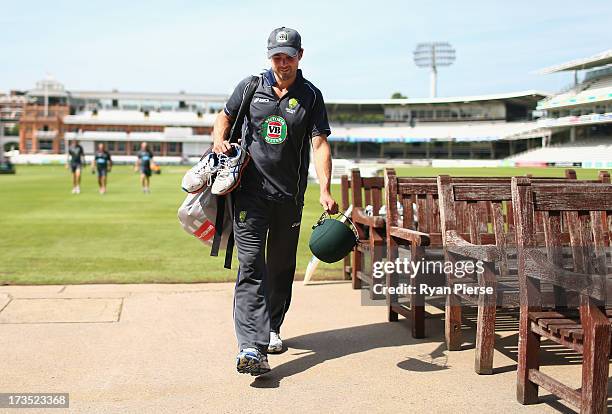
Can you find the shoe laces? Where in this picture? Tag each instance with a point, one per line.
(205, 164)
(224, 165)
(202, 165)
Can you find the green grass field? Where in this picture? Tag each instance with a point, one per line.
(49, 236)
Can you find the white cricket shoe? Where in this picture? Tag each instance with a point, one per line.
(230, 170)
(276, 343)
(201, 174)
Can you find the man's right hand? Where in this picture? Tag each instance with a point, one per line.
(222, 147)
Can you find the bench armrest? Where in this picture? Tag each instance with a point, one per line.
(415, 237)
(454, 243)
(538, 266)
(360, 217)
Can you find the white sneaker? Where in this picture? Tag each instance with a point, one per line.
(276, 343)
(200, 174)
(78, 190)
(230, 170)
(73, 190)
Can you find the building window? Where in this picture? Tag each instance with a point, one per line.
(45, 145)
(175, 148)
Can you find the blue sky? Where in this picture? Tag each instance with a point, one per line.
(353, 49)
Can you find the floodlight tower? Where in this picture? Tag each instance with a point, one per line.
(431, 55)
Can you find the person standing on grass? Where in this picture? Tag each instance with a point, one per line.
(144, 162)
(75, 161)
(102, 164)
(287, 117)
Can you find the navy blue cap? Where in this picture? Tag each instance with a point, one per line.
(284, 40)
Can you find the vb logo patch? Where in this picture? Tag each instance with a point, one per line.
(274, 129)
(281, 37)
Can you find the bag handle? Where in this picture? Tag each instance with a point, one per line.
(326, 215)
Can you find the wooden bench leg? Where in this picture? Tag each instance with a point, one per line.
(528, 358)
(418, 321)
(417, 309)
(356, 268)
(595, 365)
(452, 323)
(485, 340)
(347, 268)
(485, 323)
(391, 279)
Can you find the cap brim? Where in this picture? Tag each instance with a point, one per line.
(289, 51)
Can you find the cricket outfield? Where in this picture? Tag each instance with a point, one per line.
(49, 236)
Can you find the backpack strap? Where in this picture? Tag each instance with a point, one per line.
(235, 134)
(216, 243)
(229, 251)
(236, 131)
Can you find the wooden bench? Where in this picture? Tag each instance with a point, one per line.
(366, 191)
(487, 239)
(485, 242)
(419, 235)
(583, 210)
(419, 232)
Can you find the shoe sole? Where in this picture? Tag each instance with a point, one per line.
(250, 365)
(244, 164)
(199, 190)
(275, 350)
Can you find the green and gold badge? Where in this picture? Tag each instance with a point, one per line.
(292, 103)
(274, 129)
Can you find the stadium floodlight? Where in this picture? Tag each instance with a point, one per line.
(431, 55)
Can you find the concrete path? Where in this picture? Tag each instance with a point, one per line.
(171, 349)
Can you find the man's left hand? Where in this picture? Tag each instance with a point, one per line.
(328, 203)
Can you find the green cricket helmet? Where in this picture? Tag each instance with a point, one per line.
(332, 239)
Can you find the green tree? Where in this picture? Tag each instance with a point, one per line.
(14, 131)
(8, 146)
(398, 95)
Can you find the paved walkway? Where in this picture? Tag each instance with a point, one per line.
(171, 349)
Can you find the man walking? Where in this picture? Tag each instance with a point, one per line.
(143, 164)
(286, 117)
(102, 164)
(75, 161)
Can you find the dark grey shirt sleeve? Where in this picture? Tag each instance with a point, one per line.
(233, 103)
(320, 124)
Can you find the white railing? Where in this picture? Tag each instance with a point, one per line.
(46, 134)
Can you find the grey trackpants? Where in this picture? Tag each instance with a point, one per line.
(263, 286)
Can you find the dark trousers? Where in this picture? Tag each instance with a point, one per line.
(266, 234)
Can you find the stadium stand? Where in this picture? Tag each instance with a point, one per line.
(578, 152)
(579, 118)
(178, 125)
